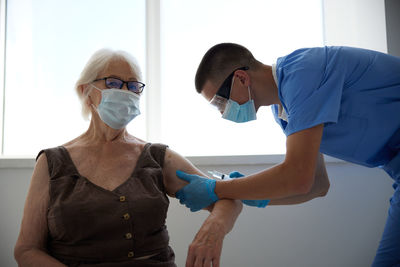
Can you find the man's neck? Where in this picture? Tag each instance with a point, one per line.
(265, 87)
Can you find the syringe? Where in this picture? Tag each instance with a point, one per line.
(219, 175)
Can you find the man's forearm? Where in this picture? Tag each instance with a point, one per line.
(319, 188)
(297, 199)
(294, 176)
(274, 183)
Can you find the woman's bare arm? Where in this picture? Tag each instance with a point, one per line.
(30, 249)
(207, 244)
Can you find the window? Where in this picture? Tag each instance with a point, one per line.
(47, 44)
(270, 29)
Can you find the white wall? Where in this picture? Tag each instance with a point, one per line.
(13, 189)
(392, 10)
(342, 229)
(359, 23)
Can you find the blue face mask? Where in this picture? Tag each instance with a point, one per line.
(240, 113)
(118, 107)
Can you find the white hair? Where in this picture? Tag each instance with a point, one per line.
(97, 63)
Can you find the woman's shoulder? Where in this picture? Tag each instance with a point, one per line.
(46, 152)
(73, 142)
(143, 144)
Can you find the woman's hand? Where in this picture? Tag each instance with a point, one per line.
(205, 249)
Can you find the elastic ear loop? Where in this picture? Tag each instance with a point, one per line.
(248, 88)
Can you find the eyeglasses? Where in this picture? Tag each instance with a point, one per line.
(221, 97)
(115, 83)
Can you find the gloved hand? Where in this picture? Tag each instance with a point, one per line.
(262, 203)
(198, 194)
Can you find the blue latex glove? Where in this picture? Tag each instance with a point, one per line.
(198, 194)
(255, 203)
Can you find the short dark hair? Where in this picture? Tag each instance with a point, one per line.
(220, 60)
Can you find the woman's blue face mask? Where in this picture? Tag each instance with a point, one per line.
(117, 107)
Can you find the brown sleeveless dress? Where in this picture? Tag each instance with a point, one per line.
(92, 226)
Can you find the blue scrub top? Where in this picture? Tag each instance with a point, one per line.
(354, 92)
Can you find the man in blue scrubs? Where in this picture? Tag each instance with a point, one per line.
(339, 101)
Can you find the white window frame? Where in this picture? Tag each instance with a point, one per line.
(153, 70)
(3, 21)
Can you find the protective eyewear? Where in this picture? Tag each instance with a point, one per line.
(222, 96)
(115, 83)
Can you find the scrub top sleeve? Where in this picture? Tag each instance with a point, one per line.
(275, 113)
(311, 97)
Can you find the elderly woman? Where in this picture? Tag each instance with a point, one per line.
(101, 199)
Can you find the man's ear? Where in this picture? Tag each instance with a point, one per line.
(243, 77)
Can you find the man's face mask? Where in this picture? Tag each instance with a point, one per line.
(240, 113)
(230, 109)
